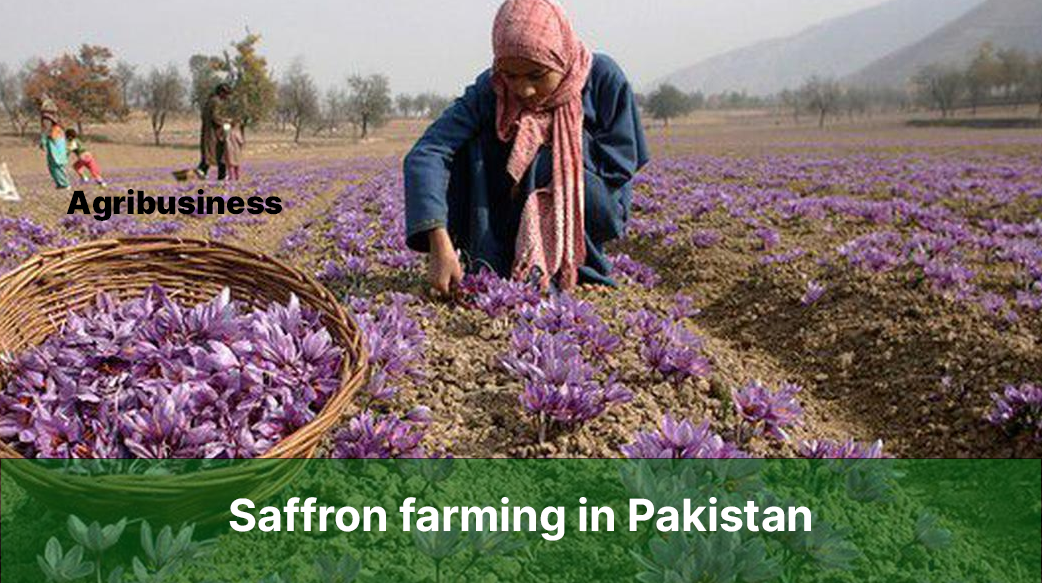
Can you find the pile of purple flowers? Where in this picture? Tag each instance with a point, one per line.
(152, 378)
(1018, 410)
(668, 347)
(767, 412)
(681, 440)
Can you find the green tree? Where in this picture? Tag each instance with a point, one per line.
(405, 104)
(369, 103)
(254, 94)
(667, 102)
(205, 72)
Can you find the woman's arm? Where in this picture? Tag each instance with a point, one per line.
(428, 166)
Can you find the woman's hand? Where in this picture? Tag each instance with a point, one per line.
(444, 273)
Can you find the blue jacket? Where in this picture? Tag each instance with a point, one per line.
(455, 175)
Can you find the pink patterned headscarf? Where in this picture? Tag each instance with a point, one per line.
(551, 235)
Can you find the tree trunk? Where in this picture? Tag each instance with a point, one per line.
(296, 136)
(821, 119)
(14, 121)
(365, 126)
(158, 121)
(79, 127)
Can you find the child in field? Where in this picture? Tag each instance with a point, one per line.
(234, 142)
(85, 165)
(529, 172)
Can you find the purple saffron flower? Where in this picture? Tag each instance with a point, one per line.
(769, 238)
(768, 412)
(560, 385)
(396, 348)
(669, 348)
(813, 293)
(683, 307)
(576, 319)
(1018, 410)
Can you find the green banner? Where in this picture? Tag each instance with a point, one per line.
(521, 520)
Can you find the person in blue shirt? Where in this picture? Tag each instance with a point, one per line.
(528, 173)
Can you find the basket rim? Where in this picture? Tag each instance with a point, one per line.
(352, 374)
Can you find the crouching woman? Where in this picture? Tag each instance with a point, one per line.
(529, 172)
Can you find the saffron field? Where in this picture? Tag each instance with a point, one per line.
(822, 297)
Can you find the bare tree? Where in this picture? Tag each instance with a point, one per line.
(437, 104)
(126, 77)
(422, 103)
(941, 87)
(822, 96)
(332, 112)
(791, 100)
(17, 105)
(856, 101)
(1013, 75)
(369, 103)
(163, 93)
(298, 98)
(981, 75)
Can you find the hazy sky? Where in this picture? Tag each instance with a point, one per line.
(419, 44)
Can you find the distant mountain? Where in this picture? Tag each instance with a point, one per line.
(1004, 23)
(837, 48)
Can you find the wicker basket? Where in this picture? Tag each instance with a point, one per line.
(36, 297)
